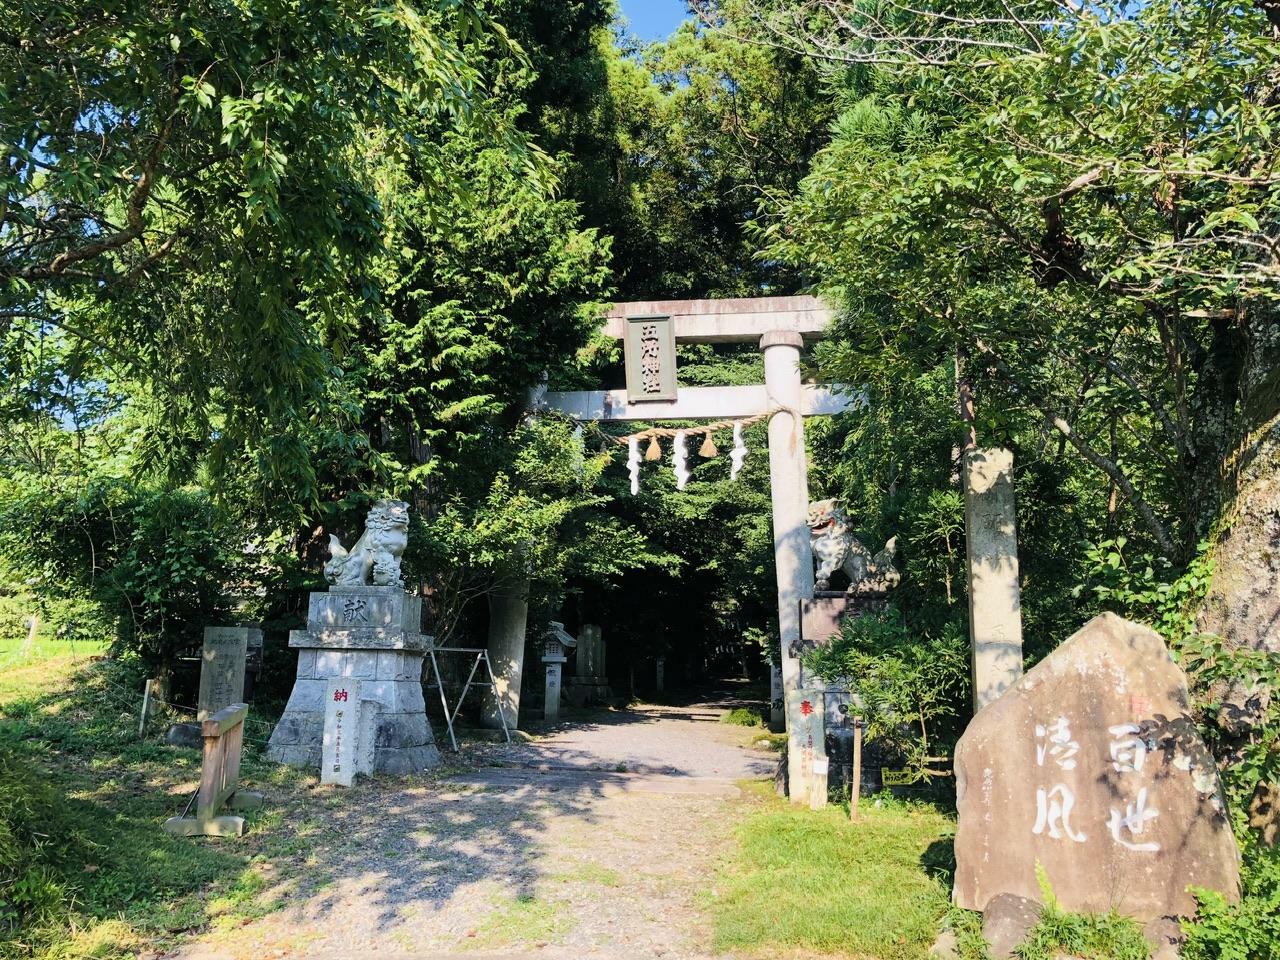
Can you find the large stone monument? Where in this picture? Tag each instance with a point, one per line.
(1090, 767)
(365, 627)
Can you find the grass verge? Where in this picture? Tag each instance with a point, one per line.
(85, 868)
(521, 920)
(803, 881)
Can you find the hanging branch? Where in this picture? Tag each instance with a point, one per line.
(1107, 466)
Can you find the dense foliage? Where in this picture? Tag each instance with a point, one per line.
(1068, 214)
(254, 279)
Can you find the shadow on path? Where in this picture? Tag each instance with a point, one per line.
(595, 836)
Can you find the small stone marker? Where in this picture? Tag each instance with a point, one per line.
(995, 603)
(554, 659)
(339, 762)
(222, 667)
(806, 743)
(1091, 767)
(660, 674)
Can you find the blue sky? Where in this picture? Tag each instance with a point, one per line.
(653, 19)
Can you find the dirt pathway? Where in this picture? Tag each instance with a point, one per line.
(595, 841)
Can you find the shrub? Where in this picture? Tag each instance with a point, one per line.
(909, 684)
(156, 562)
(743, 717)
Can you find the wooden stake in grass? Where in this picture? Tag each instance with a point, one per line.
(33, 624)
(146, 708)
(855, 784)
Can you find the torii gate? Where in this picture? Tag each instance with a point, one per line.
(780, 325)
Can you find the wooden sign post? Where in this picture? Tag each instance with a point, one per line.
(855, 781)
(219, 779)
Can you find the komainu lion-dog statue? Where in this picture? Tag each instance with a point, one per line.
(836, 548)
(375, 557)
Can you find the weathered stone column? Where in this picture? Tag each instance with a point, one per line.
(508, 619)
(590, 682)
(789, 488)
(995, 604)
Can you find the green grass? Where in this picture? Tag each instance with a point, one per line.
(1059, 934)
(591, 874)
(85, 868)
(744, 717)
(520, 920)
(24, 671)
(807, 881)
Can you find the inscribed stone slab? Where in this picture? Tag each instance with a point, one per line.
(222, 668)
(339, 756)
(1091, 767)
(806, 744)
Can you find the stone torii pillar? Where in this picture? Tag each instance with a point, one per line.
(789, 490)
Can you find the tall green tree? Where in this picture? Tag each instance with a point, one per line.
(188, 195)
(1087, 214)
(1077, 206)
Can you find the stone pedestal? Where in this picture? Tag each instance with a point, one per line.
(365, 633)
(590, 682)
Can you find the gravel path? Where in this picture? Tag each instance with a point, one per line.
(594, 841)
(685, 741)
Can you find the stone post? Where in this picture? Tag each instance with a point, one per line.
(554, 658)
(777, 714)
(508, 618)
(790, 494)
(660, 673)
(995, 605)
(590, 683)
(807, 762)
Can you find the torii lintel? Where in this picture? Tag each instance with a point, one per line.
(734, 320)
